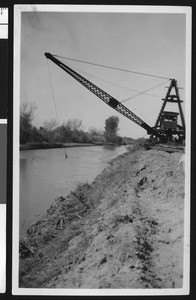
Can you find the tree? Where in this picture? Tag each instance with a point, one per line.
(49, 127)
(111, 129)
(27, 131)
(63, 134)
(96, 135)
(74, 124)
(94, 131)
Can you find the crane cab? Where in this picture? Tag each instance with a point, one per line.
(169, 120)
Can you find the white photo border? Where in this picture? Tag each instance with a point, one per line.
(18, 9)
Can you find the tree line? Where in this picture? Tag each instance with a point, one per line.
(68, 132)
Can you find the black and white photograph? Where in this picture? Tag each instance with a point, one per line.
(101, 150)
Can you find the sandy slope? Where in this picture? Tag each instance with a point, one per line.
(131, 236)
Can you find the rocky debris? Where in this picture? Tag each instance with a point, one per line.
(130, 236)
(25, 250)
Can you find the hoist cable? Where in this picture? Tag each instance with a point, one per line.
(76, 68)
(137, 112)
(53, 97)
(144, 92)
(94, 77)
(113, 68)
(54, 101)
(112, 83)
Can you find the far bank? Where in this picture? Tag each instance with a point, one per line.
(47, 145)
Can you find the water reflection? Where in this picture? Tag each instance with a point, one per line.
(46, 174)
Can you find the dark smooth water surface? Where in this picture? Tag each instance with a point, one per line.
(46, 174)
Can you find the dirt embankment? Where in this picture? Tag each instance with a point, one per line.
(125, 230)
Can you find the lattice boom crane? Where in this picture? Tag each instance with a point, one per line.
(107, 98)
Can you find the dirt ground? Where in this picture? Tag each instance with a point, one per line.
(125, 230)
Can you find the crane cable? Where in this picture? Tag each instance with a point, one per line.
(94, 77)
(137, 112)
(144, 91)
(138, 93)
(114, 84)
(113, 68)
(54, 101)
(90, 75)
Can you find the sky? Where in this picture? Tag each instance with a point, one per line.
(151, 43)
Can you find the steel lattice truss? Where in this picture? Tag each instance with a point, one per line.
(108, 99)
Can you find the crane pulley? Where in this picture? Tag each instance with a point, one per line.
(157, 131)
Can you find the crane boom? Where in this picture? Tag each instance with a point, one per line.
(108, 99)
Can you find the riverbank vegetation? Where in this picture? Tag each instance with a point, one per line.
(53, 135)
